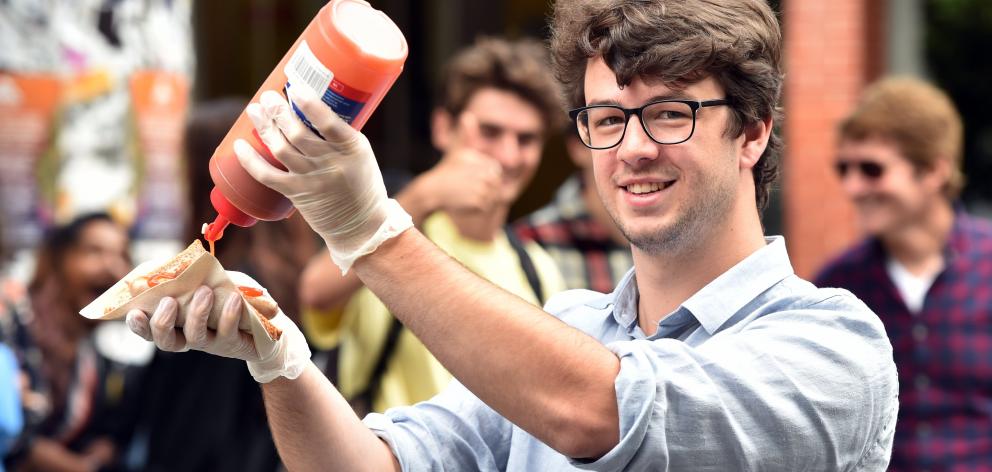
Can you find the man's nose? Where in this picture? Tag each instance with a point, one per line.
(854, 183)
(636, 147)
(507, 150)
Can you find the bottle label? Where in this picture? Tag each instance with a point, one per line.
(304, 70)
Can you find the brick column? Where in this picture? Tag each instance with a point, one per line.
(827, 63)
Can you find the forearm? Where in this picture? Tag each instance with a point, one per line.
(315, 428)
(546, 377)
(323, 287)
(418, 199)
(48, 455)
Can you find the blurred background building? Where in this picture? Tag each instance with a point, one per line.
(94, 94)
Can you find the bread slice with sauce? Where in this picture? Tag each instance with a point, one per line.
(263, 307)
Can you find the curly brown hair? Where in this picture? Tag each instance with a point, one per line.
(919, 118)
(519, 66)
(680, 42)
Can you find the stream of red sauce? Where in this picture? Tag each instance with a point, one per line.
(250, 291)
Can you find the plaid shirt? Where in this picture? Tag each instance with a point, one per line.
(943, 353)
(581, 246)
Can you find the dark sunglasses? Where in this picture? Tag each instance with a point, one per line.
(871, 170)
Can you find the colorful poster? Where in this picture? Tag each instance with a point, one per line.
(160, 102)
(125, 68)
(28, 106)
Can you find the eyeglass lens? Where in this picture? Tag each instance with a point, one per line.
(665, 122)
(871, 170)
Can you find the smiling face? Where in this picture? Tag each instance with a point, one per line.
(667, 198)
(888, 191)
(511, 131)
(97, 260)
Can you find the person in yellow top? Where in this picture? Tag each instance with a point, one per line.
(497, 101)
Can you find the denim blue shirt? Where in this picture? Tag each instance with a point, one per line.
(759, 370)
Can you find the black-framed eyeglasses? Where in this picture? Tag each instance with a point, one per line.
(869, 169)
(664, 121)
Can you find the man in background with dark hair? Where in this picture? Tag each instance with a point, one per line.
(710, 355)
(497, 101)
(576, 230)
(925, 268)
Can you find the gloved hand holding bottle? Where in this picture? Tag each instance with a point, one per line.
(332, 179)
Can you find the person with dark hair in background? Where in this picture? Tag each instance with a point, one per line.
(497, 101)
(91, 388)
(711, 354)
(577, 231)
(925, 267)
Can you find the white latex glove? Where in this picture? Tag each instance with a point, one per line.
(334, 182)
(286, 357)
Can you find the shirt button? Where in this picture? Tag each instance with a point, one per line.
(923, 429)
(919, 332)
(922, 382)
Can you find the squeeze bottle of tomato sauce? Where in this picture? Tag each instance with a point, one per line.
(349, 55)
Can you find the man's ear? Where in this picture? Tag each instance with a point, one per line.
(442, 127)
(755, 141)
(937, 175)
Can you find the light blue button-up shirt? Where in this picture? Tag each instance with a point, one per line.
(758, 371)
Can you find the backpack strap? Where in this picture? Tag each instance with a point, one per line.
(364, 398)
(527, 264)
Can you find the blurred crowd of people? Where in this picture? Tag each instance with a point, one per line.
(88, 396)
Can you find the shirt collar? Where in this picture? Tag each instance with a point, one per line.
(625, 300)
(723, 297)
(720, 299)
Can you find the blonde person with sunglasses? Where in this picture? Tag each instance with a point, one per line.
(924, 268)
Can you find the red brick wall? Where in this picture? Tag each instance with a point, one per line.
(828, 60)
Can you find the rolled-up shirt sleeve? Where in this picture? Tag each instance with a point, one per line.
(755, 399)
(452, 431)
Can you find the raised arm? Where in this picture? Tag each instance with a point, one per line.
(323, 287)
(548, 378)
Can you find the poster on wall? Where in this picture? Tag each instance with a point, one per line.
(160, 103)
(28, 106)
(113, 134)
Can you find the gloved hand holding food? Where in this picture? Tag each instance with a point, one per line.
(191, 302)
(332, 179)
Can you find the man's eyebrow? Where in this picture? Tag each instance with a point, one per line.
(603, 102)
(501, 128)
(664, 96)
